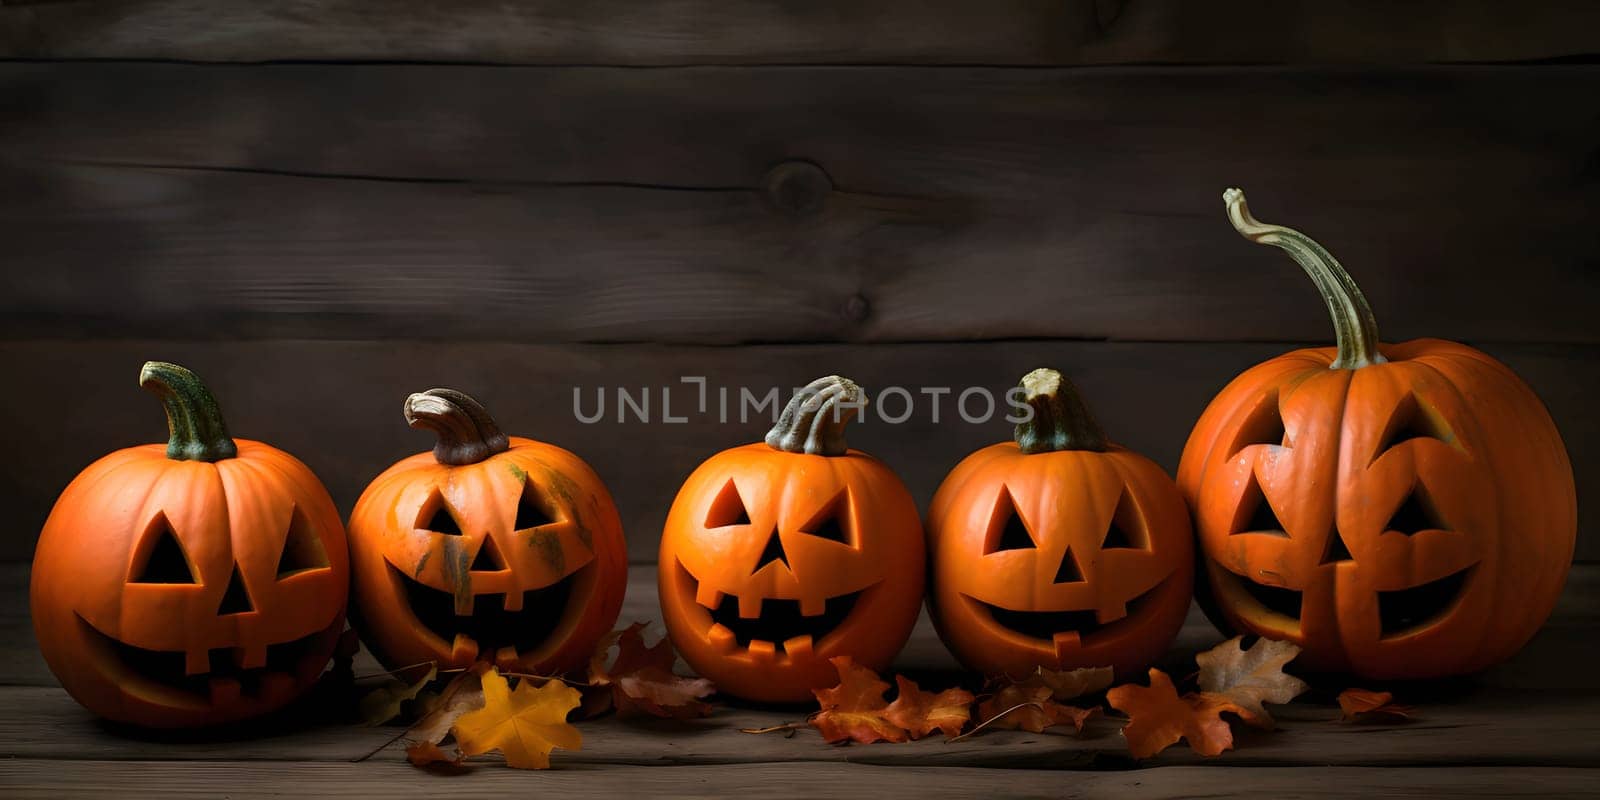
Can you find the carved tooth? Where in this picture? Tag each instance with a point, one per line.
(721, 636)
(463, 650)
(813, 606)
(513, 600)
(276, 687)
(196, 662)
(1067, 644)
(798, 646)
(708, 596)
(749, 607)
(763, 651)
(250, 656)
(224, 691)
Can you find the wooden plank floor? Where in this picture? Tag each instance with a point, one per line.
(1530, 727)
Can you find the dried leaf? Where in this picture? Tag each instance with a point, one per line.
(1251, 677)
(525, 724)
(1070, 683)
(922, 713)
(1158, 717)
(383, 703)
(1369, 707)
(642, 681)
(854, 711)
(421, 754)
(464, 693)
(1038, 709)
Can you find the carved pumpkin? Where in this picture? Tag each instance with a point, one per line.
(1059, 549)
(487, 548)
(778, 556)
(190, 584)
(1399, 511)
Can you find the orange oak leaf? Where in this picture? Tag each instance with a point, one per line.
(462, 694)
(1030, 706)
(922, 713)
(1366, 706)
(1251, 677)
(642, 681)
(854, 711)
(525, 724)
(1158, 717)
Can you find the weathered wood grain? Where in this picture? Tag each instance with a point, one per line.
(828, 31)
(607, 205)
(49, 780)
(336, 405)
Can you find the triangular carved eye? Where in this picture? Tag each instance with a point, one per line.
(302, 550)
(1127, 529)
(489, 558)
(1007, 531)
(531, 509)
(1068, 572)
(832, 522)
(161, 558)
(1411, 420)
(436, 517)
(1416, 513)
(1263, 426)
(1255, 514)
(727, 509)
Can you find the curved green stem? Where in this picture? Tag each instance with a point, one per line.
(1060, 419)
(467, 434)
(195, 430)
(813, 421)
(1355, 330)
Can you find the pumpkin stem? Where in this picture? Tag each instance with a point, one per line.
(1060, 419)
(1355, 329)
(467, 434)
(195, 430)
(814, 420)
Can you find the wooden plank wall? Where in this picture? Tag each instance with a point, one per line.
(325, 205)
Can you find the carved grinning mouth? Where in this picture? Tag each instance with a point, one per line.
(488, 623)
(1047, 624)
(1400, 612)
(225, 676)
(781, 623)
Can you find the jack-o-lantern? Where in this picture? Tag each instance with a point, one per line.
(778, 556)
(1059, 549)
(1399, 511)
(489, 548)
(193, 583)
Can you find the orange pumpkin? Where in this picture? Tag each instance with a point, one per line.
(487, 548)
(1059, 549)
(778, 556)
(195, 583)
(1398, 511)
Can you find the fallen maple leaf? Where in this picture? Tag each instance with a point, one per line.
(1366, 706)
(642, 681)
(1030, 706)
(525, 724)
(463, 694)
(1070, 683)
(855, 710)
(1251, 677)
(383, 703)
(1158, 717)
(921, 713)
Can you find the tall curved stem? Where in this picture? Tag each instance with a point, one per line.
(467, 434)
(813, 421)
(195, 428)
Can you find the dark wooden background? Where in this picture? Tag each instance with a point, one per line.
(324, 205)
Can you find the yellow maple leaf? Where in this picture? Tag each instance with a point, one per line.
(525, 724)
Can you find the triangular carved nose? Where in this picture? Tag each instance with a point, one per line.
(1068, 572)
(235, 600)
(774, 552)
